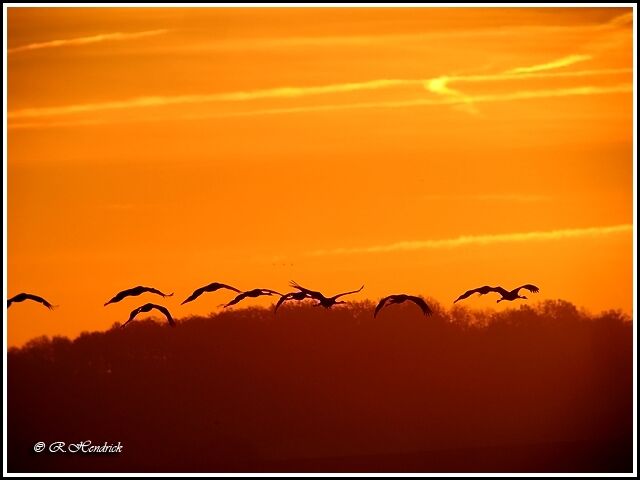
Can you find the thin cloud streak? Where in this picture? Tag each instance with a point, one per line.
(497, 77)
(435, 85)
(422, 102)
(417, 102)
(560, 63)
(624, 20)
(482, 240)
(161, 101)
(440, 85)
(103, 37)
(368, 40)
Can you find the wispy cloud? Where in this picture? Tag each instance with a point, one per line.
(559, 63)
(441, 85)
(437, 85)
(161, 101)
(624, 20)
(509, 75)
(414, 38)
(416, 102)
(423, 102)
(103, 37)
(481, 240)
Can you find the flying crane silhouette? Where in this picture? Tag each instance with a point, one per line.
(21, 297)
(148, 307)
(291, 296)
(326, 302)
(135, 291)
(391, 299)
(506, 295)
(256, 292)
(212, 287)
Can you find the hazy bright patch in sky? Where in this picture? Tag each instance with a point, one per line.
(425, 150)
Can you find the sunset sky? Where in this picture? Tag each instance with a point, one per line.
(418, 150)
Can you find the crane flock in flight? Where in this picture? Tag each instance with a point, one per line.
(301, 294)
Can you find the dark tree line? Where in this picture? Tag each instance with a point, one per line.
(530, 389)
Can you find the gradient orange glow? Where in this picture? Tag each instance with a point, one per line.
(418, 150)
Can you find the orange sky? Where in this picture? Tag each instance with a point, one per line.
(176, 147)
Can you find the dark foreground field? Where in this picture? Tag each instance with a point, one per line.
(528, 390)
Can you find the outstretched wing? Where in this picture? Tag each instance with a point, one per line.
(500, 290)
(381, 305)
(421, 303)
(212, 287)
(28, 296)
(481, 290)
(466, 294)
(135, 291)
(125, 293)
(119, 296)
(238, 298)
(133, 314)
(335, 297)
(311, 293)
(40, 300)
(290, 296)
(281, 300)
(194, 295)
(166, 314)
(528, 286)
(158, 292)
(266, 291)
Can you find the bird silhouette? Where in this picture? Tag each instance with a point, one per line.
(391, 299)
(148, 307)
(290, 296)
(135, 291)
(28, 296)
(212, 287)
(256, 292)
(506, 295)
(326, 302)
